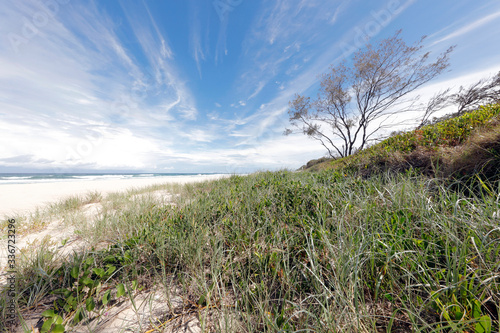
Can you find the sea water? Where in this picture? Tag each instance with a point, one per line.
(27, 178)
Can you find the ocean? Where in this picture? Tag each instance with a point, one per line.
(27, 178)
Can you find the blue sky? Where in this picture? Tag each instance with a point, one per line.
(198, 85)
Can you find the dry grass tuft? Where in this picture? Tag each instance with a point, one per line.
(479, 155)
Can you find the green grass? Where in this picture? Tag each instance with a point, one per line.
(289, 252)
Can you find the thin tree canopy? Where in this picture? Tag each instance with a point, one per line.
(355, 103)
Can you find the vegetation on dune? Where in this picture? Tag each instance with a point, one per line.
(283, 251)
(448, 133)
(458, 147)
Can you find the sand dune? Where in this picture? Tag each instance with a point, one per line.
(22, 198)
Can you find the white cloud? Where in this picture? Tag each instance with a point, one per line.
(258, 89)
(339, 10)
(273, 152)
(75, 78)
(198, 52)
(198, 135)
(467, 28)
(165, 73)
(76, 144)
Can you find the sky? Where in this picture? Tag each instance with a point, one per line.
(198, 85)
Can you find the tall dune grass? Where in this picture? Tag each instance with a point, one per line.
(298, 252)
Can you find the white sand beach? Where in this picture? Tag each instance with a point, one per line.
(21, 198)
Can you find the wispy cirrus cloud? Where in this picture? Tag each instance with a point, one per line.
(162, 78)
(290, 32)
(338, 11)
(289, 67)
(75, 95)
(197, 49)
(198, 43)
(468, 27)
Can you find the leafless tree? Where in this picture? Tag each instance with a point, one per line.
(482, 92)
(438, 102)
(355, 103)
